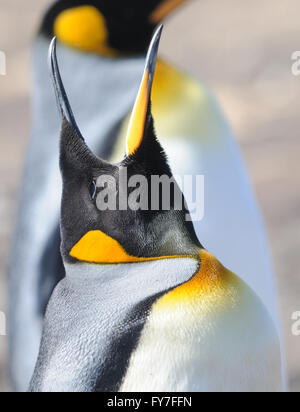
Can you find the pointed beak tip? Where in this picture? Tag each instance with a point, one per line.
(63, 103)
(52, 46)
(52, 53)
(160, 29)
(153, 50)
(157, 35)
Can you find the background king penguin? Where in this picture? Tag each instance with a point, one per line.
(144, 307)
(102, 46)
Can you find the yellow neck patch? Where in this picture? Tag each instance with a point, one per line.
(212, 280)
(97, 247)
(84, 28)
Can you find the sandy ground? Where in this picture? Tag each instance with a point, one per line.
(242, 50)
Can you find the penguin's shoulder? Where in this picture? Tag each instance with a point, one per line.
(212, 290)
(183, 106)
(209, 327)
(172, 82)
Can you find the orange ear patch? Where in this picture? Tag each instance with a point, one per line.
(97, 247)
(163, 10)
(83, 28)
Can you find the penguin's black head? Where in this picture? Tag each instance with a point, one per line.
(114, 213)
(106, 27)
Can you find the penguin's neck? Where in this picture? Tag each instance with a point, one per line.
(158, 275)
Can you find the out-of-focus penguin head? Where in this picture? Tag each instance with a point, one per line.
(106, 27)
(114, 212)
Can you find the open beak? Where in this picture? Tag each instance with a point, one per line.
(61, 95)
(139, 114)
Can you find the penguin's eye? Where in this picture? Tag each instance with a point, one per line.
(93, 189)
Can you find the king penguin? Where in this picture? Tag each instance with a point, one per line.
(103, 43)
(143, 307)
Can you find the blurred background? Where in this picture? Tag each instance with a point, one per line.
(241, 50)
